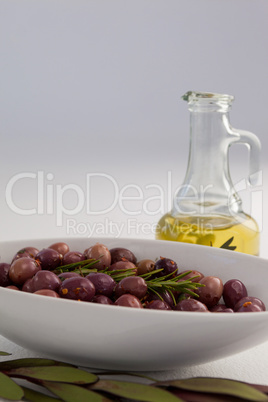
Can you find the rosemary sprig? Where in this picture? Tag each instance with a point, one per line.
(169, 282)
(75, 265)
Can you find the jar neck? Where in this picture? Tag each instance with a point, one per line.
(208, 156)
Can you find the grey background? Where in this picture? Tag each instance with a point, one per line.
(95, 86)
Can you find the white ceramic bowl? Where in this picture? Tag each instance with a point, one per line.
(122, 338)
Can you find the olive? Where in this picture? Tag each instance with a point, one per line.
(65, 275)
(46, 280)
(61, 248)
(104, 284)
(157, 305)
(4, 274)
(211, 293)
(49, 258)
(128, 300)
(167, 265)
(101, 299)
(23, 269)
(221, 308)
(77, 289)
(123, 265)
(233, 291)
(191, 305)
(12, 287)
(254, 300)
(167, 298)
(122, 254)
(191, 274)
(71, 257)
(145, 266)
(28, 286)
(249, 307)
(134, 285)
(101, 253)
(30, 252)
(47, 292)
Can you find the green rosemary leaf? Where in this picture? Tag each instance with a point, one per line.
(172, 295)
(71, 267)
(154, 291)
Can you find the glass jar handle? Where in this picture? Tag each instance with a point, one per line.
(254, 145)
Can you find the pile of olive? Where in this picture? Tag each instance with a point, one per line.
(38, 272)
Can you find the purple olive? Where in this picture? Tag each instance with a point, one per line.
(167, 298)
(101, 253)
(47, 292)
(46, 280)
(4, 274)
(221, 308)
(211, 293)
(253, 300)
(128, 300)
(167, 265)
(158, 305)
(233, 291)
(28, 286)
(61, 248)
(77, 289)
(22, 269)
(104, 284)
(123, 265)
(191, 305)
(134, 285)
(122, 254)
(30, 252)
(101, 299)
(49, 259)
(249, 307)
(191, 274)
(71, 257)
(65, 275)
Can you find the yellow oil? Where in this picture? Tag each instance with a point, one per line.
(240, 234)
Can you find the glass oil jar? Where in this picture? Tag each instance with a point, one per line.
(206, 209)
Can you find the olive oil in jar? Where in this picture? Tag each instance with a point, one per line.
(215, 231)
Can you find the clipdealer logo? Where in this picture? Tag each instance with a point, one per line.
(102, 194)
(52, 199)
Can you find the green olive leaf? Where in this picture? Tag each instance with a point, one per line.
(9, 389)
(54, 373)
(30, 362)
(74, 393)
(138, 392)
(125, 373)
(4, 353)
(219, 386)
(204, 396)
(35, 396)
